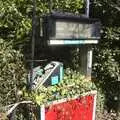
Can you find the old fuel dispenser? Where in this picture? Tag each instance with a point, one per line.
(66, 29)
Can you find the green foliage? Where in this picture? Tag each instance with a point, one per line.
(108, 11)
(68, 5)
(100, 103)
(72, 85)
(12, 73)
(107, 54)
(14, 25)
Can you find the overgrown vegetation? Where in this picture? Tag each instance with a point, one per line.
(73, 84)
(16, 32)
(12, 73)
(107, 54)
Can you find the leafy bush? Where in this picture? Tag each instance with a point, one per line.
(12, 73)
(107, 66)
(73, 84)
(107, 53)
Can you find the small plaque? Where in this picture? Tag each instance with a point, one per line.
(54, 80)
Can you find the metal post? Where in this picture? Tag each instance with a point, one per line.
(33, 39)
(89, 49)
(87, 10)
(33, 49)
(89, 62)
(50, 6)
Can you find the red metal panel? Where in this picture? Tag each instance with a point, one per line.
(76, 109)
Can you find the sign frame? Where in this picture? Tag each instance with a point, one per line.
(42, 107)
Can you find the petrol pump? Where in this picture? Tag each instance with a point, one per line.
(63, 29)
(66, 29)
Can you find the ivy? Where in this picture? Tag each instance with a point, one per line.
(73, 84)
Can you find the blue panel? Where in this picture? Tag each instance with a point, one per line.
(54, 80)
(61, 73)
(72, 42)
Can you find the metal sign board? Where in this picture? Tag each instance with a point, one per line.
(65, 29)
